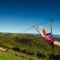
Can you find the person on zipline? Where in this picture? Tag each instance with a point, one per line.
(48, 36)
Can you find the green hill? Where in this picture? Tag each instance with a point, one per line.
(29, 47)
(9, 56)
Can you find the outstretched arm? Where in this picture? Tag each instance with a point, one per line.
(38, 31)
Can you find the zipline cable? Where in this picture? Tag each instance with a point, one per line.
(35, 25)
(55, 17)
(42, 23)
(16, 24)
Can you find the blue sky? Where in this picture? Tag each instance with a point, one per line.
(19, 15)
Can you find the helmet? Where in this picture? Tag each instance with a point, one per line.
(44, 30)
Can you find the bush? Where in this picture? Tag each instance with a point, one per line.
(16, 49)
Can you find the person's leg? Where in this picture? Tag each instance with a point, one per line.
(56, 43)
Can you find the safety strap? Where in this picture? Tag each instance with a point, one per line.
(51, 30)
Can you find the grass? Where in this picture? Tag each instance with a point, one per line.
(9, 56)
(12, 55)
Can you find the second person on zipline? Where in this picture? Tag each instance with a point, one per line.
(48, 36)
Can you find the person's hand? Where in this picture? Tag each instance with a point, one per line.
(34, 26)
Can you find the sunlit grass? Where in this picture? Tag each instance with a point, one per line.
(12, 55)
(9, 56)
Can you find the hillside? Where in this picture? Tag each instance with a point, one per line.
(30, 45)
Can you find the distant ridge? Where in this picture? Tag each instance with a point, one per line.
(55, 36)
(4, 32)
